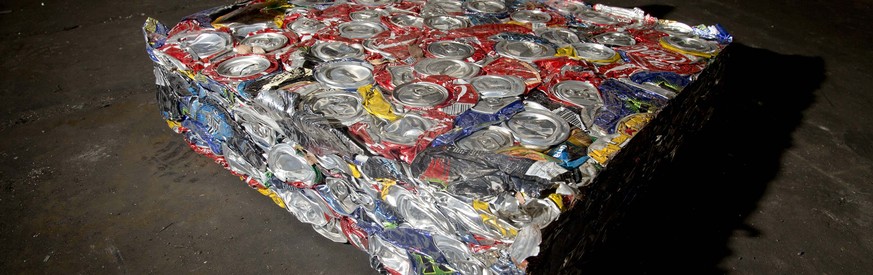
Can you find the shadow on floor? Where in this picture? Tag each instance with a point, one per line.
(682, 221)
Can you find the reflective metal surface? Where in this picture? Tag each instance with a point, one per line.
(450, 49)
(406, 130)
(344, 74)
(444, 22)
(288, 166)
(691, 44)
(594, 52)
(269, 41)
(360, 29)
(449, 67)
(406, 20)
(617, 39)
(538, 129)
(489, 139)
(560, 36)
(531, 16)
(307, 26)
(420, 94)
(580, 93)
(331, 50)
(524, 50)
(498, 85)
(243, 66)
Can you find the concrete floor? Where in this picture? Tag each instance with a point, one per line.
(93, 181)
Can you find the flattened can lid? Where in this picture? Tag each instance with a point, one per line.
(580, 93)
(406, 20)
(447, 6)
(490, 105)
(243, 66)
(406, 130)
(401, 74)
(365, 15)
(269, 41)
(596, 17)
(421, 94)
(374, 2)
(360, 29)
(597, 53)
(489, 139)
(450, 49)
(445, 22)
(485, 6)
(344, 73)
(307, 26)
(531, 16)
(450, 67)
(498, 85)
(205, 44)
(690, 44)
(288, 166)
(560, 36)
(568, 7)
(333, 50)
(240, 30)
(673, 28)
(537, 128)
(524, 50)
(315, 3)
(617, 39)
(338, 106)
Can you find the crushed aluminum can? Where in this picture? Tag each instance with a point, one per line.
(450, 49)
(346, 74)
(615, 39)
(494, 7)
(531, 16)
(524, 50)
(241, 31)
(406, 20)
(289, 166)
(560, 36)
(449, 67)
(420, 94)
(374, 3)
(203, 45)
(268, 41)
(262, 129)
(366, 15)
(674, 28)
(243, 67)
(491, 105)
(579, 93)
(445, 23)
(489, 86)
(493, 139)
(406, 130)
(339, 107)
(689, 45)
(333, 50)
(304, 26)
(596, 53)
(537, 128)
(596, 17)
(360, 29)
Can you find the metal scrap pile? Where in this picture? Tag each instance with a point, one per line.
(437, 136)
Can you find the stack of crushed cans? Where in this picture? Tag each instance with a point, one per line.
(437, 136)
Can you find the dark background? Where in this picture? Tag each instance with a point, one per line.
(92, 180)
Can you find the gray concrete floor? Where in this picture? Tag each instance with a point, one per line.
(93, 181)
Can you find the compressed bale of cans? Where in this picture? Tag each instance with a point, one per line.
(436, 136)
